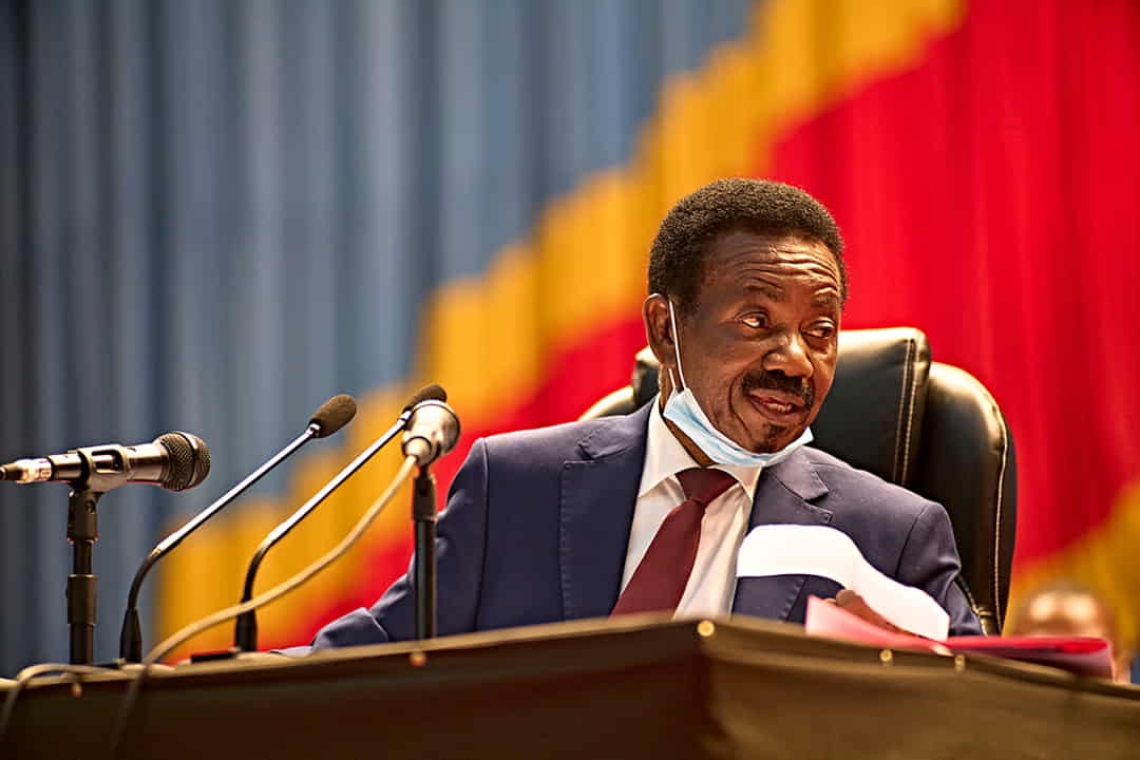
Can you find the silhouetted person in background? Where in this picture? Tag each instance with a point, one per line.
(1067, 608)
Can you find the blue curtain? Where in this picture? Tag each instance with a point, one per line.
(214, 214)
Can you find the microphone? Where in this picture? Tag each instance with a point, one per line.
(245, 630)
(433, 392)
(432, 431)
(334, 414)
(175, 461)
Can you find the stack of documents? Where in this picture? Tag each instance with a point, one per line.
(826, 552)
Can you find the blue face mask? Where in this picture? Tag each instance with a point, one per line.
(683, 410)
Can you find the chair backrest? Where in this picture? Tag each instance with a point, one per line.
(927, 426)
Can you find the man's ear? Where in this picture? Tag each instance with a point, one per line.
(659, 330)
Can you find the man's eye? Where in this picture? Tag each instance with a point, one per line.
(821, 331)
(755, 321)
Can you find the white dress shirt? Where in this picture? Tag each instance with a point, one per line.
(712, 583)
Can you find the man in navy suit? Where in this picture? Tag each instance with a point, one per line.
(747, 284)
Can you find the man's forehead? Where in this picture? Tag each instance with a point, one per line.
(769, 261)
(740, 240)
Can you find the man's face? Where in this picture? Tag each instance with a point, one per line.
(759, 349)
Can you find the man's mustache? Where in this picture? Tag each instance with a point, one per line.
(799, 387)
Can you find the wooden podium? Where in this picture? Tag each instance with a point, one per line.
(633, 688)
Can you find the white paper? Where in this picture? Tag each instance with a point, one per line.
(829, 553)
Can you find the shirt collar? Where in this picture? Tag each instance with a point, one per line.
(665, 457)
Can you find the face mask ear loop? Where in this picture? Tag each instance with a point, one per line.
(677, 343)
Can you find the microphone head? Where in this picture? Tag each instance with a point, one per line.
(433, 392)
(334, 414)
(431, 432)
(189, 460)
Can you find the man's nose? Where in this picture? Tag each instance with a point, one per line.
(789, 356)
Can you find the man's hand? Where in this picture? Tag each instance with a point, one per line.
(853, 603)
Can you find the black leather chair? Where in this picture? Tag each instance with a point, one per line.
(930, 427)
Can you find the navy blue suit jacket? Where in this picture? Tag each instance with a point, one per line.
(537, 523)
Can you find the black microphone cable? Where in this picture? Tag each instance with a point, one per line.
(245, 630)
(334, 414)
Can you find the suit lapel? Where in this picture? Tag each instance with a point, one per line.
(782, 498)
(599, 492)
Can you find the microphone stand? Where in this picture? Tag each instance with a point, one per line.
(424, 516)
(82, 533)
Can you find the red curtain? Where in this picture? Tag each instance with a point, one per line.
(990, 196)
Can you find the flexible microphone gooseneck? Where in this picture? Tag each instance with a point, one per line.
(245, 630)
(334, 414)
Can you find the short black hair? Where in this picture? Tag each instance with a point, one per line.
(761, 206)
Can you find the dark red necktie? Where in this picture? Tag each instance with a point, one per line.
(661, 577)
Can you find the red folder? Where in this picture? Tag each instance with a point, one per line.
(1080, 655)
